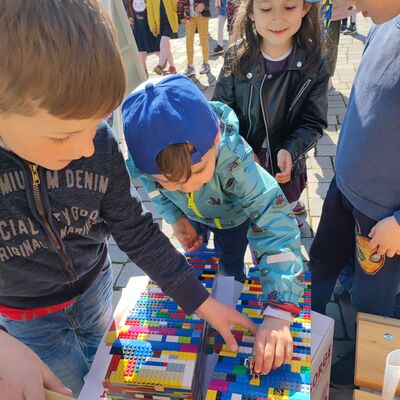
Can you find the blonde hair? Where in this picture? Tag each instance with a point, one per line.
(61, 56)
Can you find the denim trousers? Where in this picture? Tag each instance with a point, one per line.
(342, 235)
(67, 340)
(232, 244)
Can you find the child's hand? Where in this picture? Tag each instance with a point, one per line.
(285, 163)
(217, 10)
(131, 22)
(221, 317)
(187, 235)
(183, 22)
(273, 346)
(385, 237)
(23, 375)
(154, 31)
(200, 8)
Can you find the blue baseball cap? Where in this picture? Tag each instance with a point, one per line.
(170, 111)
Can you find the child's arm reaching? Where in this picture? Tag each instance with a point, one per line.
(23, 374)
(275, 240)
(139, 236)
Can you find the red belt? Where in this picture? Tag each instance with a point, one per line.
(19, 314)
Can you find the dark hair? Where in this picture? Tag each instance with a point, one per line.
(246, 50)
(175, 162)
(61, 56)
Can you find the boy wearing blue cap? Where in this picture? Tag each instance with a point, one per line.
(199, 171)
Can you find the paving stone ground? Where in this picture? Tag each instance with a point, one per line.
(320, 164)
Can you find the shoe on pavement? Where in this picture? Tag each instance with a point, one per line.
(189, 71)
(171, 71)
(218, 50)
(159, 69)
(342, 372)
(351, 30)
(205, 68)
(298, 207)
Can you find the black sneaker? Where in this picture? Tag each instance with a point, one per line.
(218, 50)
(351, 30)
(343, 27)
(342, 373)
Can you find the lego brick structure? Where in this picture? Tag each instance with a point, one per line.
(233, 378)
(159, 352)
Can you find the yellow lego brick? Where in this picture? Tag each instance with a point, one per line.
(211, 395)
(227, 354)
(185, 325)
(255, 381)
(111, 337)
(278, 394)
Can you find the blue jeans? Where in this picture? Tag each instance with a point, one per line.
(68, 339)
(232, 244)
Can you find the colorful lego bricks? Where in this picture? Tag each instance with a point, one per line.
(159, 351)
(233, 378)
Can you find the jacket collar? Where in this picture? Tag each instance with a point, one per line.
(297, 60)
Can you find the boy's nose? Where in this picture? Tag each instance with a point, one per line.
(85, 146)
(88, 149)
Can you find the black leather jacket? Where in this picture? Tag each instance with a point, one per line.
(290, 106)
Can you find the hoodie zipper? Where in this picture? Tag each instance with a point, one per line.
(299, 94)
(40, 208)
(266, 126)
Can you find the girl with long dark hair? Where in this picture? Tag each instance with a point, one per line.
(275, 77)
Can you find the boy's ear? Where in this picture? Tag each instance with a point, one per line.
(251, 16)
(217, 138)
(306, 7)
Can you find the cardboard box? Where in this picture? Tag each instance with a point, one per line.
(321, 355)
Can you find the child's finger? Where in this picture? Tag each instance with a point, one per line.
(52, 382)
(269, 355)
(229, 338)
(282, 175)
(288, 353)
(279, 354)
(382, 250)
(372, 232)
(391, 253)
(259, 349)
(373, 243)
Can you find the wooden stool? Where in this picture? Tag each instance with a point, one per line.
(359, 395)
(376, 338)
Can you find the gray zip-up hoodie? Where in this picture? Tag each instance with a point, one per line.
(54, 227)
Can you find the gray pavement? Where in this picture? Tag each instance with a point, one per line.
(320, 164)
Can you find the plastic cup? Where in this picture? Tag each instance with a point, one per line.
(392, 375)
